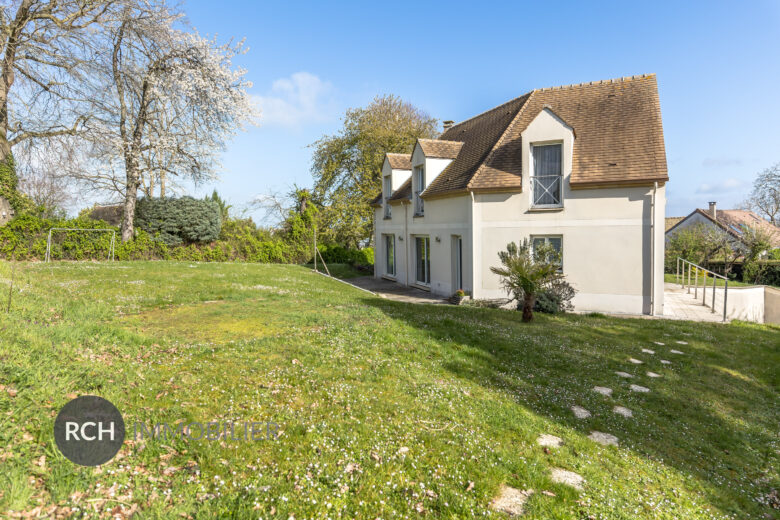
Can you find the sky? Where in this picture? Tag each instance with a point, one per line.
(717, 65)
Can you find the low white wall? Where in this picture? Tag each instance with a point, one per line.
(745, 303)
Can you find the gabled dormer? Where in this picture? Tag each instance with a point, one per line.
(396, 170)
(547, 159)
(429, 158)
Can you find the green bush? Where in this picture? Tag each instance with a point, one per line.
(8, 187)
(555, 298)
(336, 254)
(183, 220)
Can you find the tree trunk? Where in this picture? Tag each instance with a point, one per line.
(131, 195)
(162, 185)
(528, 307)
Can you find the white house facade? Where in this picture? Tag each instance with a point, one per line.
(581, 167)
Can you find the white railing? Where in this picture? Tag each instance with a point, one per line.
(697, 269)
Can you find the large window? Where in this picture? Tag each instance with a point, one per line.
(556, 241)
(547, 179)
(422, 251)
(389, 255)
(388, 191)
(419, 185)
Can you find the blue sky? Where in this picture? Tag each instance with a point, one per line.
(718, 67)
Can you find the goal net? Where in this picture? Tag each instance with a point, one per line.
(80, 244)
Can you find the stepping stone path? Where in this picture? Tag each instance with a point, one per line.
(637, 388)
(550, 441)
(648, 351)
(563, 476)
(621, 410)
(510, 500)
(603, 390)
(635, 361)
(681, 342)
(675, 351)
(603, 438)
(580, 412)
(624, 374)
(653, 374)
(665, 362)
(658, 343)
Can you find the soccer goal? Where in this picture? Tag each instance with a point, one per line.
(54, 231)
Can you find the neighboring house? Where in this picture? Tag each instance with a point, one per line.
(581, 167)
(112, 213)
(6, 211)
(732, 221)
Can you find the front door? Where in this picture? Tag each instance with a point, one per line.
(457, 263)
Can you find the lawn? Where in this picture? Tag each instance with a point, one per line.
(719, 282)
(385, 410)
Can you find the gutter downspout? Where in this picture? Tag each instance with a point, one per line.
(652, 250)
(406, 242)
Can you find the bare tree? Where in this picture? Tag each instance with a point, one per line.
(41, 179)
(43, 47)
(164, 103)
(765, 197)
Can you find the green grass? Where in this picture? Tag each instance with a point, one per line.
(343, 271)
(672, 278)
(351, 379)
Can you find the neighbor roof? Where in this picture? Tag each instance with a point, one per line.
(734, 222)
(672, 221)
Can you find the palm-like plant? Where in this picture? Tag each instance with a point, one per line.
(527, 270)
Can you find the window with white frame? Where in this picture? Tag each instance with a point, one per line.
(419, 185)
(388, 192)
(389, 255)
(556, 241)
(547, 177)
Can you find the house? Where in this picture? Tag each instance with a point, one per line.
(734, 222)
(581, 167)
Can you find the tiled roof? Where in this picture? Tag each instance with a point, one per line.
(617, 127)
(737, 219)
(442, 149)
(478, 135)
(734, 222)
(400, 161)
(672, 221)
(404, 192)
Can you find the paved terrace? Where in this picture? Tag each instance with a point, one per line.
(678, 303)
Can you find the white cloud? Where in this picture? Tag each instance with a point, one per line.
(296, 101)
(725, 186)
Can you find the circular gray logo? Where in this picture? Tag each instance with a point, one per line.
(89, 430)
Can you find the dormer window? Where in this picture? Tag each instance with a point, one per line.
(547, 178)
(419, 185)
(388, 192)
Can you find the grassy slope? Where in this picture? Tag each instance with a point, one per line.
(347, 376)
(672, 278)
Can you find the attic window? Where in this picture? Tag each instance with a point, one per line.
(612, 164)
(547, 178)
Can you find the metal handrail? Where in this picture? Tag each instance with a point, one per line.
(680, 277)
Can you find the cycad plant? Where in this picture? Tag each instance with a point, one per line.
(526, 270)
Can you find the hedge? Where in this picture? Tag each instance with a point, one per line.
(25, 236)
